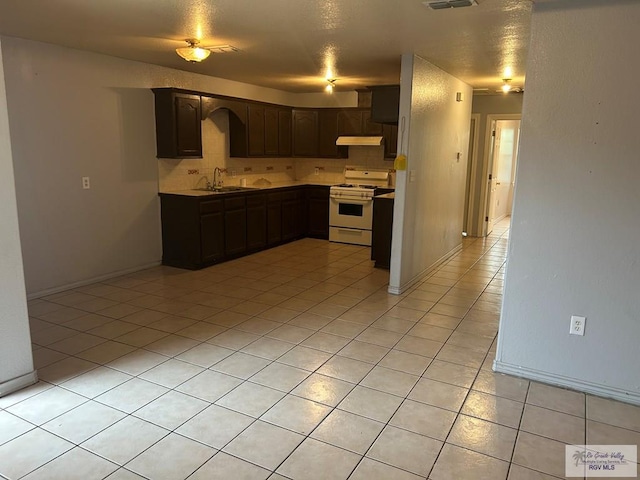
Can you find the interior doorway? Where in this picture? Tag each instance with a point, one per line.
(501, 160)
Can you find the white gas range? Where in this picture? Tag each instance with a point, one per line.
(351, 206)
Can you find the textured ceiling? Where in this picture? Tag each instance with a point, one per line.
(290, 44)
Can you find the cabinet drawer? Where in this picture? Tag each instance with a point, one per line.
(236, 203)
(210, 206)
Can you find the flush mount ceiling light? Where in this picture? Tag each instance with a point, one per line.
(193, 53)
(331, 83)
(506, 85)
(445, 4)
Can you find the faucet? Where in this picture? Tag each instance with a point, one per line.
(217, 177)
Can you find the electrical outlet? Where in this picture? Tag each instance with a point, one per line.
(233, 174)
(86, 184)
(577, 325)
(316, 171)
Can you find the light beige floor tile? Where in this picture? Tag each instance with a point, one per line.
(348, 431)
(323, 389)
(257, 326)
(96, 381)
(172, 458)
(494, 409)
(291, 333)
(314, 460)
(377, 336)
(501, 385)
(171, 410)
(20, 395)
(483, 437)
(224, 467)
(613, 413)
(390, 381)
(451, 373)
(123, 474)
(554, 398)
(64, 370)
(438, 394)
(405, 362)
(30, 451)
(269, 348)
(125, 440)
(280, 376)
(278, 314)
(205, 355)
(603, 434)
(12, 427)
(114, 329)
(172, 345)
(75, 464)
(540, 454)
(346, 369)
(424, 419)
(297, 414)
(43, 357)
(130, 396)
(171, 373)
(77, 343)
(461, 356)
(405, 313)
(83, 422)
(305, 358)
(405, 450)
(241, 365)
(141, 337)
(209, 385)
(516, 472)
(201, 331)
(462, 464)
(228, 319)
(370, 403)
(418, 346)
(393, 324)
(215, 426)
(310, 321)
(172, 324)
(555, 425)
(251, 399)
(106, 352)
(372, 470)
(49, 404)
(430, 332)
(137, 362)
(343, 328)
(365, 352)
(264, 444)
(325, 342)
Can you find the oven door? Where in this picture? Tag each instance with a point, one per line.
(351, 212)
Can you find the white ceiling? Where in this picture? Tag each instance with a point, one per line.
(288, 44)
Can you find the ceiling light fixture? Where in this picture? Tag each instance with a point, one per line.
(331, 83)
(506, 86)
(193, 53)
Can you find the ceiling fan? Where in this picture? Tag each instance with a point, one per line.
(194, 53)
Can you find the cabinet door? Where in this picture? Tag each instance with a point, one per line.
(327, 132)
(305, 133)
(390, 134)
(369, 127)
(271, 132)
(256, 131)
(274, 218)
(188, 128)
(256, 222)
(284, 132)
(212, 236)
(350, 122)
(235, 226)
(318, 212)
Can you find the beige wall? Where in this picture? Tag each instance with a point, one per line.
(429, 205)
(16, 363)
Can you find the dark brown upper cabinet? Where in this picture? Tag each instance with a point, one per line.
(267, 132)
(385, 103)
(305, 133)
(357, 122)
(328, 133)
(390, 135)
(178, 124)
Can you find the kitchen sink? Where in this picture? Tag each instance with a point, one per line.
(224, 189)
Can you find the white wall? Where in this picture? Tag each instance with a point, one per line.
(576, 221)
(428, 211)
(16, 363)
(75, 114)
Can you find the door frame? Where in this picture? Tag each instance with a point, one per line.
(487, 165)
(472, 171)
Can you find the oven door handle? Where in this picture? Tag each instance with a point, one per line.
(362, 201)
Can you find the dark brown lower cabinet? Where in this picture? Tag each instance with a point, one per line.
(212, 231)
(256, 222)
(294, 223)
(318, 208)
(235, 226)
(381, 231)
(274, 218)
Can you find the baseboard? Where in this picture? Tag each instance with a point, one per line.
(18, 383)
(568, 382)
(427, 271)
(89, 281)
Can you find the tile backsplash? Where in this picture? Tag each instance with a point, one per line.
(176, 174)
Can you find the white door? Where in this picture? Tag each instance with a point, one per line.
(503, 155)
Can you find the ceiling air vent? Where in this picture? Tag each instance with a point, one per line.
(444, 4)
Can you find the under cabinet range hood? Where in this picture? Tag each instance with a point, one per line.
(359, 141)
